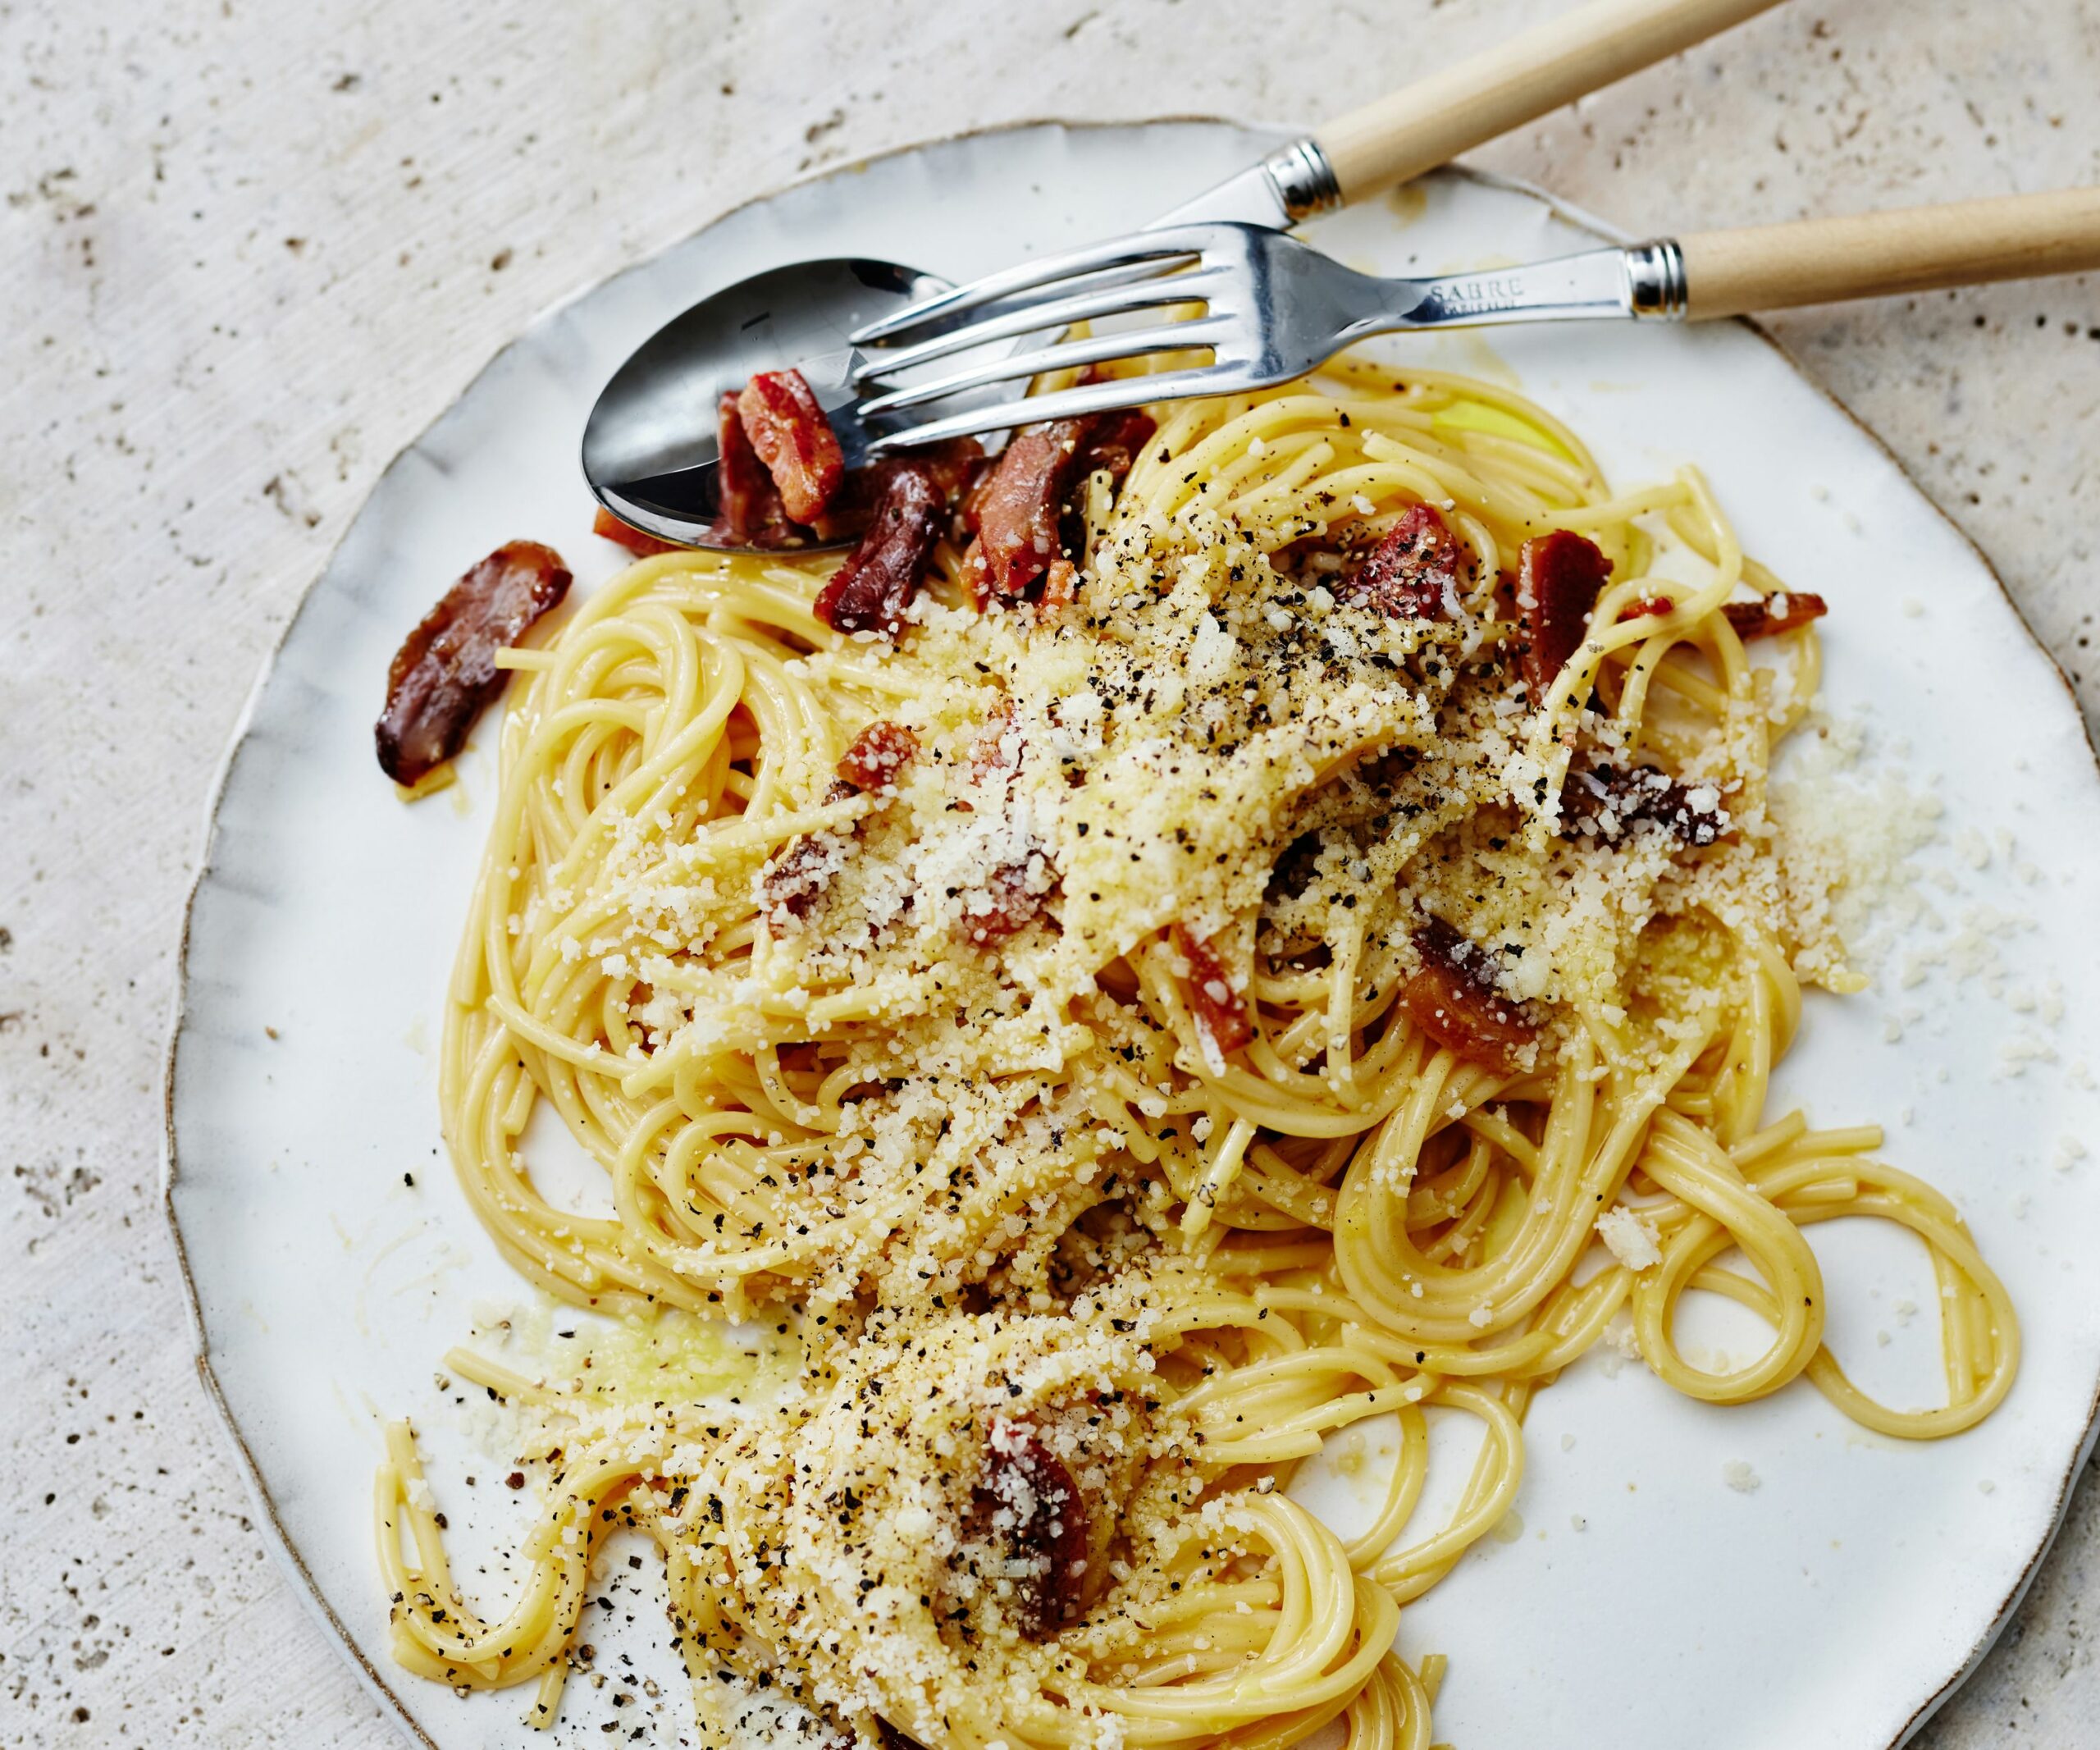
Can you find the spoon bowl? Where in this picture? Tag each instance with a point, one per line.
(650, 447)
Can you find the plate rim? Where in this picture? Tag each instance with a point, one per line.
(276, 1535)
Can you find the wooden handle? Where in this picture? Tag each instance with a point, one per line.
(1880, 254)
(1432, 121)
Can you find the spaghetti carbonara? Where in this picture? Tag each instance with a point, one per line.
(1286, 967)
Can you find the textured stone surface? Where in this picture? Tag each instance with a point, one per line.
(247, 252)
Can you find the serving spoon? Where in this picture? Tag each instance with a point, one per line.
(650, 448)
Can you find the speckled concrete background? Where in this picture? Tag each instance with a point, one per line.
(248, 249)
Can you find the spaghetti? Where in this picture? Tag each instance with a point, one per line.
(1282, 977)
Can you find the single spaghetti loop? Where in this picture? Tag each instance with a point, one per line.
(938, 1065)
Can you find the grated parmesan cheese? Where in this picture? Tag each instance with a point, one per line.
(1630, 1235)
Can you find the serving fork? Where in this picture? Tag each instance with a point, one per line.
(650, 449)
(1272, 308)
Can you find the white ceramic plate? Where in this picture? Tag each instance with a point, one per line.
(1832, 1604)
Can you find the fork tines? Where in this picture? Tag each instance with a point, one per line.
(1126, 275)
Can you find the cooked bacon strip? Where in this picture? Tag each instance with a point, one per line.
(1026, 1502)
(878, 753)
(1015, 509)
(444, 673)
(1411, 574)
(953, 466)
(794, 439)
(748, 511)
(1009, 900)
(1061, 583)
(796, 879)
(871, 591)
(950, 467)
(1454, 999)
(995, 755)
(643, 546)
(1112, 442)
(1014, 893)
(1645, 605)
(910, 496)
(1782, 611)
(797, 876)
(1220, 1011)
(1558, 577)
(1606, 803)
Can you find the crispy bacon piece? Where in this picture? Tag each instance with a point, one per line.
(878, 753)
(643, 546)
(1061, 583)
(904, 500)
(1782, 611)
(1112, 442)
(1454, 999)
(748, 511)
(1009, 901)
(995, 755)
(1558, 577)
(1411, 574)
(796, 880)
(951, 466)
(795, 440)
(871, 591)
(1014, 509)
(1606, 803)
(1026, 1502)
(1645, 605)
(1221, 1011)
(444, 673)
(1014, 893)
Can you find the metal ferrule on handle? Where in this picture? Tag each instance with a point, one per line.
(1655, 285)
(1303, 179)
